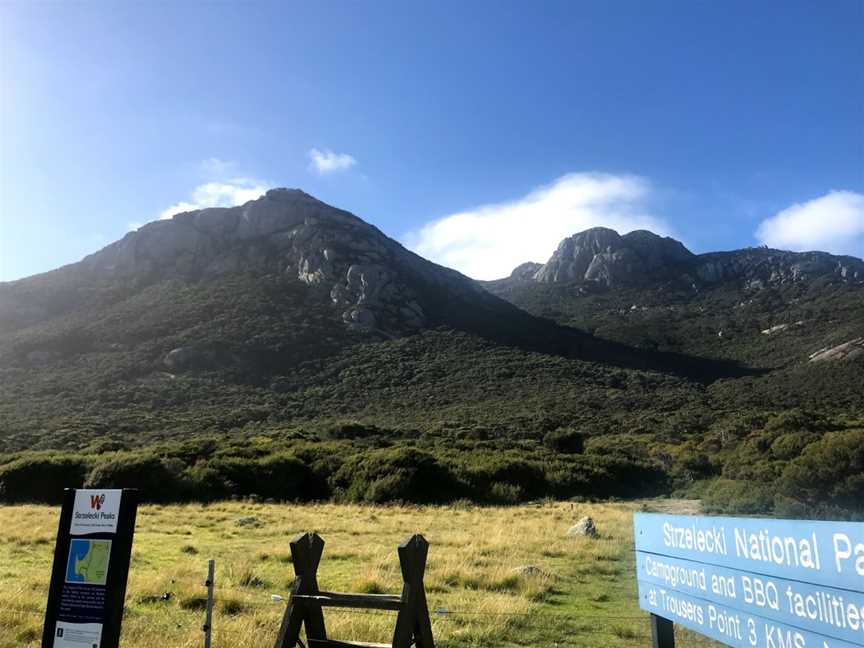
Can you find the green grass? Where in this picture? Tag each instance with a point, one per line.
(585, 595)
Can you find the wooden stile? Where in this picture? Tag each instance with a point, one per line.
(305, 604)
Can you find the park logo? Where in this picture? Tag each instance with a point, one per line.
(95, 511)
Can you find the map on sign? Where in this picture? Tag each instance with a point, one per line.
(88, 561)
(754, 583)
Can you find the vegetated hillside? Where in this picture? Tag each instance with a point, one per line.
(217, 317)
(759, 307)
(288, 349)
(797, 318)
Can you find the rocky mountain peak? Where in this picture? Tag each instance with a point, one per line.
(373, 283)
(525, 270)
(601, 255)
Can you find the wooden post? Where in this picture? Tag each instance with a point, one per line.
(413, 627)
(662, 632)
(413, 620)
(208, 615)
(306, 550)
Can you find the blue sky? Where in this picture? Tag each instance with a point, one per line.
(478, 133)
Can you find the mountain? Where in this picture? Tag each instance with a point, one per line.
(308, 276)
(757, 306)
(371, 282)
(600, 257)
(256, 303)
(289, 348)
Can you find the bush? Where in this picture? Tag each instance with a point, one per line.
(400, 474)
(730, 496)
(41, 479)
(281, 477)
(352, 430)
(829, 473)
(565, 441)
(492, 476)
(157, 479)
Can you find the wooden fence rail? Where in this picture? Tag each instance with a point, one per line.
(305, 604)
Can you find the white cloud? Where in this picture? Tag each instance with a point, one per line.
(218, 169)
(487, 242)
(327, 161)
(228, 193)
(832, 223)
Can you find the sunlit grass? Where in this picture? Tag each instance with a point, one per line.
(583, 591)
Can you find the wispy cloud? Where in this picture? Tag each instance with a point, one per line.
(326, 161)
(224, 187)
(215, 168)
(832, 223)
(488, 241)
(218, 194)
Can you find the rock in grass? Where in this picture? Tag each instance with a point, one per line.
(250, 521)
(584, 527)
(530, 571)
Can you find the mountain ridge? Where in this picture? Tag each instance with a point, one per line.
(757, 306)
(603, 257)
(285, 231)
(201, 353)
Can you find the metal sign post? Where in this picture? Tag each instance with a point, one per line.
(208, 614)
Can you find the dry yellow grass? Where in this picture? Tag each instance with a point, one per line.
(586, 594)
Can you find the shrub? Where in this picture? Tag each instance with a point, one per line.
(788, 446)
(565, 441)
(395, 474)
(492, 476)
(41, 479)
(281, 477)
(694, 466)
(352, 430)
(157, 479)
(829, 473)
(730, 496)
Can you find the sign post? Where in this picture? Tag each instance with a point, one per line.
(91, 566)
(750, 582)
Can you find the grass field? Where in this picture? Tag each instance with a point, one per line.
(585, 595)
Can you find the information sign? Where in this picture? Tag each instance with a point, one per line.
(91, 566)
(754, 582)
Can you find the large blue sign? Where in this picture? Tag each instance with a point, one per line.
(754, 582)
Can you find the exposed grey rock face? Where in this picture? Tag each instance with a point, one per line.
(370, 279)
(656, 251)
(846, 351)
(526, 270)
(584, 528)
(600, 255)
(762, 267)
(196, 358)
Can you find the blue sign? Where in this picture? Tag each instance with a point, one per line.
(754, 582)
(729, 626)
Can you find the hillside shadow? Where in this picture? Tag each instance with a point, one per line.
(502, 323)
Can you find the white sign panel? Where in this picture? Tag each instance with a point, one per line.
(95, 511)
(77, 635)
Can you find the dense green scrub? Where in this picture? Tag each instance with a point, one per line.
(287, 404)
(796, 463)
